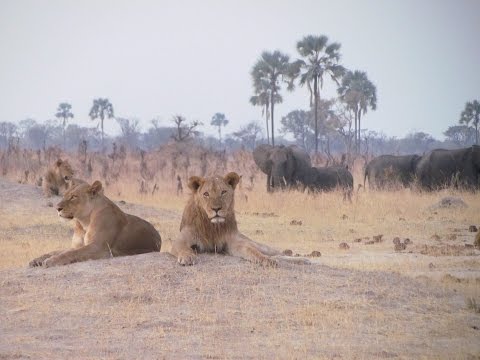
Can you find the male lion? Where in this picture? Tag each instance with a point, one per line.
(102, 229)
(209, 225)
(58, 178)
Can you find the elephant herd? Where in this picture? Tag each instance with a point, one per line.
(289, 167)
(434, 170)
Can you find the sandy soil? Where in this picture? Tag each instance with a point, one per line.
(147, 306)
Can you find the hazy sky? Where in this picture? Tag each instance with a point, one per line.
(154, 59)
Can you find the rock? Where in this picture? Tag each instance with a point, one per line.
(357, 240)
(396, 240)
(258, 232)
(378, 238)
(435, 237)
(344, 246)
(400, 247)
(315, 253)
(371, 242)
(449, 202)
(401, 219)
(407, 241)
(451, 237)
(49, 204)
(473, 228)
(344, 217)
(431, 266)
(288, 252)
(296, 222)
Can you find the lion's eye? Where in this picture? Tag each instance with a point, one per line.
(74, 197)
(206, 194)
(224, 192)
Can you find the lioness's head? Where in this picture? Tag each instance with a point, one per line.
(63, 169)
(215, 195)
(77, 202)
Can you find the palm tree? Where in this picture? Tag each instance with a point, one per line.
(101, 109)
(471, 113)
(359, 93)
(64, 113)
(268, 73)
(319, 59)
(219, 120)
(262, 98)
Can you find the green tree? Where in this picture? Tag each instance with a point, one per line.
(101, 109)
(296, 122)
(268, 74)
(461, 135)
(359, 93)
(319, 58)
(248, 134)
(64, 113)
(471, 113)
(219, 120)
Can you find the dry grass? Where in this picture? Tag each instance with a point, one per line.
(367, 301)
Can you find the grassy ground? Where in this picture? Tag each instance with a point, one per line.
(367, 301)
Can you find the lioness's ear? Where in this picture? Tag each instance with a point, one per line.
(232, 179)
(96, 188)
(195, 182)
(59, 162)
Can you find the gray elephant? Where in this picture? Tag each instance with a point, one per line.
(284, 165)
(442, 168)
(389, 171)
(328, 179)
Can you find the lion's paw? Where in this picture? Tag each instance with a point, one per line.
(187, 259)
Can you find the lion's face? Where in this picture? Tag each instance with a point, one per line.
(63, 170)
(78, 201)
(215, 195)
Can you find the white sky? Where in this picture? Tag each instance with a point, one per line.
(154, 59)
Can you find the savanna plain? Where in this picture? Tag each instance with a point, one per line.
(361, 299)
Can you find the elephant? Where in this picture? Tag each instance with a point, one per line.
(442, 168)
(328, 179)
(387, 171)
(284, 165)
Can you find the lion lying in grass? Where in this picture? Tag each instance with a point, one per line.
(102, 229)
(209, 225)
(58, 178)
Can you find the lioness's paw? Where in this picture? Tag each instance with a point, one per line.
(56, 261)
(268, 262)
(35, 263)
(187, 259)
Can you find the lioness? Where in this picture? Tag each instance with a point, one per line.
(58, 178)
(102, 229)
(209, 225)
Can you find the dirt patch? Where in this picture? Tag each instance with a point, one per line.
(226, 308)
(149, 305)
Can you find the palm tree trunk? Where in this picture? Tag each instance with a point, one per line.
(356, 142)
(476, 130)
(315, 102)
(266, 122)
(272, 105)
(359, 139)
(220, 134)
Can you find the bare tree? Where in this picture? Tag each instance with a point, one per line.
(183, 130)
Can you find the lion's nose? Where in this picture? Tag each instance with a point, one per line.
(59, 208)
(216, 209)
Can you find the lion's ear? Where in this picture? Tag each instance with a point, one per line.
(195, 182)
(59, 162)
(96, 188)
(232, 179)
